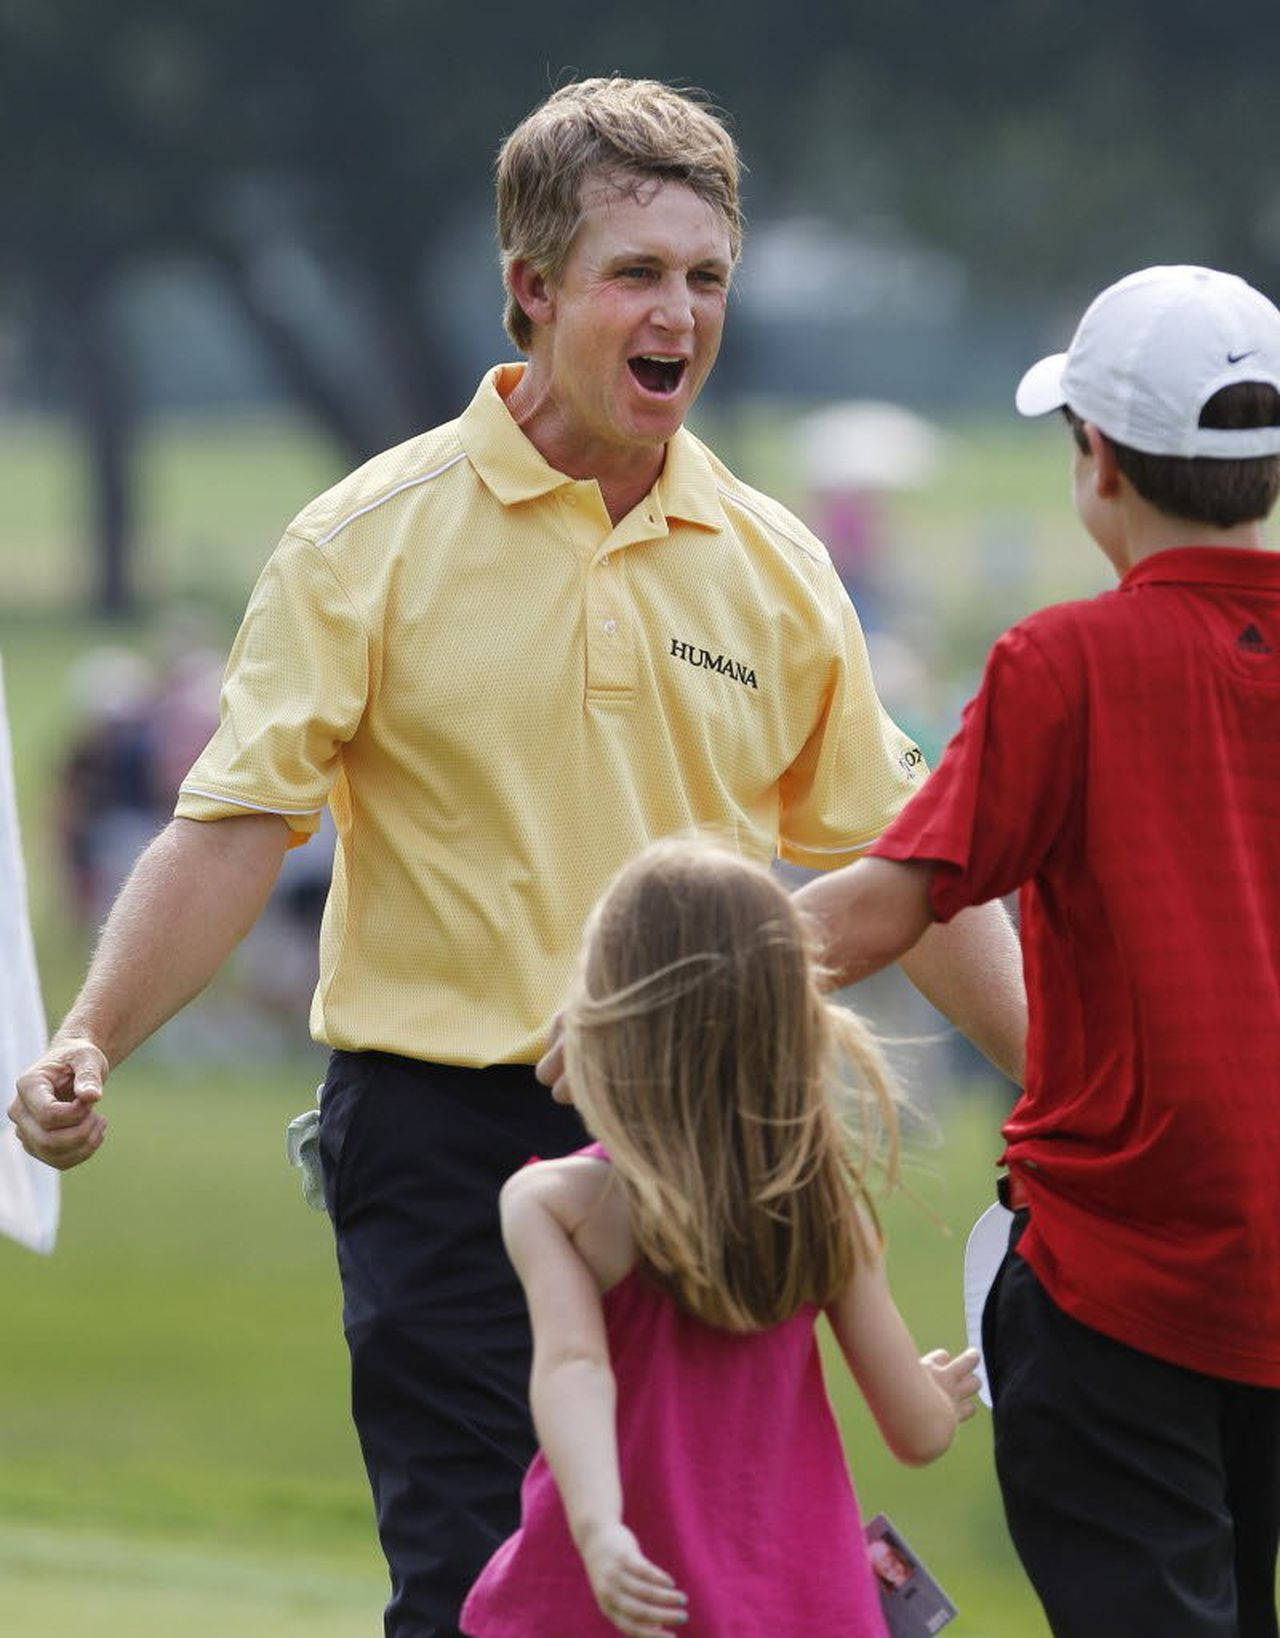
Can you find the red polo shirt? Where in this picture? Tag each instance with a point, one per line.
(1121, 766)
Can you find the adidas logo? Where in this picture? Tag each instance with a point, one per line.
(1252, 641)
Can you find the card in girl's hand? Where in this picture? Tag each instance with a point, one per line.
(914, 1604)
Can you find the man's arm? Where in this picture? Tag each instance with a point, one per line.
(191, 898)
(877, 911)
(970, 968)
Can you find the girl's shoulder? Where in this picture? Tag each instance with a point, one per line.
(581, 1193)
(576, 1179)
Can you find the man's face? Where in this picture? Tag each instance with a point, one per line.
(637, 313)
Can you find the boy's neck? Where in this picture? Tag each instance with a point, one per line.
(1144, 531)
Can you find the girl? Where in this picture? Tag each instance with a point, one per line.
(691, 1474)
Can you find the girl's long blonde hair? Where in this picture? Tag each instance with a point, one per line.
(705, 1058)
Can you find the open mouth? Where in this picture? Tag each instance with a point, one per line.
(657, 373)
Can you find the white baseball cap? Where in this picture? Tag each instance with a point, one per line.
(1152, 350)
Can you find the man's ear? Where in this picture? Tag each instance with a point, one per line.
(1106, 472)
(532, 290)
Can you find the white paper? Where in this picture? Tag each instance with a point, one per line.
(29, 1192)
(983, 1253)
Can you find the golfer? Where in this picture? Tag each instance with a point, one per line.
(508, 654)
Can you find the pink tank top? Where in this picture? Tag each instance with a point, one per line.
(734, 1481)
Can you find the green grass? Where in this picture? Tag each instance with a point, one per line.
(214, 494)
(109, 1586)
(177, 1455)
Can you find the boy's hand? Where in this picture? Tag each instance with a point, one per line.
(638, 1597)
(956, 1379)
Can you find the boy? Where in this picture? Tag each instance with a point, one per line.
(1121, 766)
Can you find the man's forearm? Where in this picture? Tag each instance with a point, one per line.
(970, 968)
(192, 897)
(877, 911)
(869, 914)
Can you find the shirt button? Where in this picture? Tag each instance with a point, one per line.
(611, 628)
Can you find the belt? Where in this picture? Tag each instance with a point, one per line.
(1012, 1192)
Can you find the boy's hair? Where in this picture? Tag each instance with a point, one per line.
(703, 1055)
(628, 131)
(1206, 488)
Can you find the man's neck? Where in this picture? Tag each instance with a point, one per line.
(624, 482)
(625, 474)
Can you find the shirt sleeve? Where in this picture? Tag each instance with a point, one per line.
(994, 807)
(857, 769)
(295, 689)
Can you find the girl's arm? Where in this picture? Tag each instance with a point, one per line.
(916, 1402)
(572, 1391)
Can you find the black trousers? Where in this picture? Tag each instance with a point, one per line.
(414, 1155)
(1143, 1499)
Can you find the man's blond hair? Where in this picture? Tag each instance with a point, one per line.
(630, 131)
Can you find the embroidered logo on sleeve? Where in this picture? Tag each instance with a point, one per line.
(911, 761)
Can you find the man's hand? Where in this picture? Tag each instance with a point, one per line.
(550, 1067)
(638, 1597)
(55, 1110)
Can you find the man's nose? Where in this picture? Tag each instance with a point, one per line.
(673, 309)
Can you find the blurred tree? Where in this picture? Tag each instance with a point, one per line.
(87, 185)
(1053, 148)
(1049, 148)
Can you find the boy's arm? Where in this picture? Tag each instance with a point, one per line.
(876, 911)
(572, 1394)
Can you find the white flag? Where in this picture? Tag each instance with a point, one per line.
(29, 1192)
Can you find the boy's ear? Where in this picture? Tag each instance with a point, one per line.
(1106, 472)
(532, 290)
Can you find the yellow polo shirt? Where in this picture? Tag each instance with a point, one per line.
(503, 697)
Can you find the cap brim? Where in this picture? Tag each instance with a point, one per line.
(1040, 389)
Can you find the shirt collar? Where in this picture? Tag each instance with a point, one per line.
(1207, 566)
(687, 488)
(507, 462)
(515, 470)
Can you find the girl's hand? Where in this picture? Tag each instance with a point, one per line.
(638, 1597)
(956, 1379)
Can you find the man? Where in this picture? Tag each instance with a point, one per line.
(508, 654)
